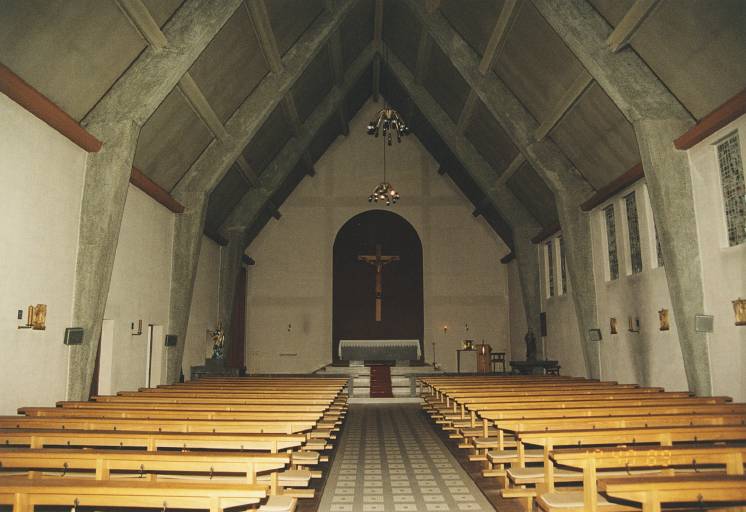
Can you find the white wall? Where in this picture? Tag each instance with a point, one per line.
(291, 283)
(204, 311)
(651, 357)
(562, 342)
(41, 184)
(140, 285)
(724, 267)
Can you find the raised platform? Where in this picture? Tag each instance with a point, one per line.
(402, 379)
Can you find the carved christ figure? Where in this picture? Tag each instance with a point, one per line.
(378, 261)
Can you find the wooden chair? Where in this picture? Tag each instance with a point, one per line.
(497, 358)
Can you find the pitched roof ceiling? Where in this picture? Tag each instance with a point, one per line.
(74, 51)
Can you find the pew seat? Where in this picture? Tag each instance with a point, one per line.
(24, 493)
(697, 490)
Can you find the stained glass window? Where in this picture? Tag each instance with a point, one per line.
(563, 272)
(611, 242)
(633, 227)
(734, 188)
(550, 268)
(658, 252)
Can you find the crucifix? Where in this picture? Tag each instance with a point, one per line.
(378, 261)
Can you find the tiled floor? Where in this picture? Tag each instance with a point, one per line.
(389, 459)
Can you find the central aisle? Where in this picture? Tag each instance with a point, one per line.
(390, 459)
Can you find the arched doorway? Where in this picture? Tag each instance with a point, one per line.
(354, 314)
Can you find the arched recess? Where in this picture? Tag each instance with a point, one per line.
(354, 281)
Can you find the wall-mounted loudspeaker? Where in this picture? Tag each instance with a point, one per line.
(73, 336)
(703, 323)
(171, 340)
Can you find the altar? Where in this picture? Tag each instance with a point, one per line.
(379, 350)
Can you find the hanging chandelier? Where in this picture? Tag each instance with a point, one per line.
(389, 121)
(384, 192)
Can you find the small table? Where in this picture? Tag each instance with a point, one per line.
(458, 357)
(527, 367)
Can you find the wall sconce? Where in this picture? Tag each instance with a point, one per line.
(289, 327)
(136, 331)
(445, 330)
(663, 319)
(739, 309)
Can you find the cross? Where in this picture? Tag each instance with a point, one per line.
(378, 261)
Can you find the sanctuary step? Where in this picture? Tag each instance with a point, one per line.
(380, 382)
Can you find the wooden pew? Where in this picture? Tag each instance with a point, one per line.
(150, 441)
(630, 460)
(549, 440)
(101, 463)
(158, 425)
(696, 490)
(23, 494)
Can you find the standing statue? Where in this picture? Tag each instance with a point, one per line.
(218, 338)
(530, 340)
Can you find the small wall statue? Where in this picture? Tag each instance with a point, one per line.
(663, 319)
(218, 339)
(739, 309)
(530, 340)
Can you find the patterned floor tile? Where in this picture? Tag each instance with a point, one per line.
(389, 459)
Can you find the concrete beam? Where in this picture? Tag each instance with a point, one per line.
(239, 223)
(492, 52)
(230, 264)
(658, 118)
(628, 81)
(630, 24)
(507, 205)
(560, 175)
(268, 42)
(513, 167)
(250, 206)
(184, 259)
(496, 43)
(116, 120)
(377, 40)
(337, 65)
(215, 161)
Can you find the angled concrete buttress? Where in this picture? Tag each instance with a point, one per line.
(569, 187)
(510, 208)
(116, 120)
(248, 209)
(222, 152)
(184, 259)
(658, 118)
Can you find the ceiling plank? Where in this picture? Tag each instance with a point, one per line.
(630, 24)
(567, 101)
(268, 42)
(215, 161)
(506, 20)
(515, 164)
(495, 45)
(251, 205)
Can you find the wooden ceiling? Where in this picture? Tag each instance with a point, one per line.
(73, 51)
